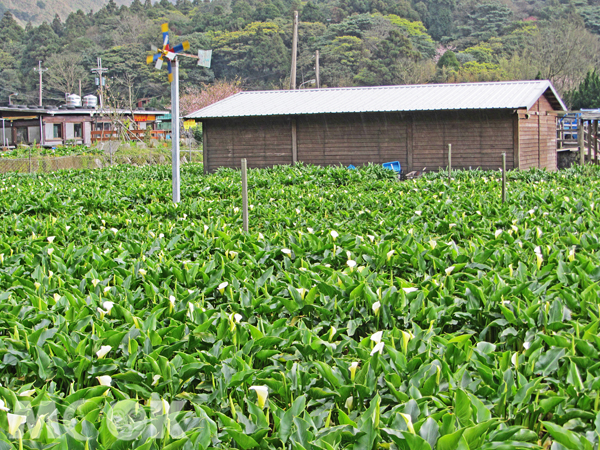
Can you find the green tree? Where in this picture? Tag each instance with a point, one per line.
(384, 64)
(587, 95)
(10, 29)
(449, 60)
(312, 13)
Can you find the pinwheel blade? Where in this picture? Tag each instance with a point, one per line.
(181, 47)
(169, 70)
(159, 63)
(165, 32)
(153, 48)
(149, 59)
(171, 55)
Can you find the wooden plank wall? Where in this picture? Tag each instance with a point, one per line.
(548, 154)
(417, 140)
(355, 139)
(478, 139)
(264, 142)
(538, 136)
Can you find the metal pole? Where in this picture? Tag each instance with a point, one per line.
(3, 134)
(29, 159)
(101, 87)
(503, 177)
(41, 71)
(42, 134)
(175, 131)
(449, 163)
(580, 141)
(245, 194)
(317, 70)
(294, 52)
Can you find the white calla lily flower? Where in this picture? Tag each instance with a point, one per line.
(103, 351)
(349, 403)
(378, 348)
(104, 380)
(222, 286)
(262, 393)
(376, 306)
(376, 337)
(352, 369)
(14, 422)
(108, 306)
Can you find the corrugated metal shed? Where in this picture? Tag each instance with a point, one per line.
(425, 97)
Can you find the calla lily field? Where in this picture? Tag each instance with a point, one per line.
(358, 312)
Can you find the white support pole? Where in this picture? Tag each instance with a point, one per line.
(175, 131)
(3, 134)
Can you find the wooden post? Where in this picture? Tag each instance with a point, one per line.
(410, 133)
(30, 159)
(317, 70)
(516, 142)
(245, 194)
(595, 141)
(590, 142)
(294, 52)
(294, 142)
(204, 148)
(503, 177)
(449, 163)
(580, 141)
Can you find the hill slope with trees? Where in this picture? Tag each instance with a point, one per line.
(361, 42)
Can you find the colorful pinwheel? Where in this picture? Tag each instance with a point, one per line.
(167, 52)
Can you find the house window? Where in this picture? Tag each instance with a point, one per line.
(78, 130)
(57, 131)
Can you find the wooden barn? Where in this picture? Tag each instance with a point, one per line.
(412, 124)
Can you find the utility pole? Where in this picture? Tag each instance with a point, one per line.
(317, 76)
(41, 71)
(100, 70)
(80, 88)
(294, 52)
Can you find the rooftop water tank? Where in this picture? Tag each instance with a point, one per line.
(90, 101)
(73, 100)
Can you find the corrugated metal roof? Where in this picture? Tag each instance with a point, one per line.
(424, 97)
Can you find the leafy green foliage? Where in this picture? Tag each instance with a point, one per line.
(373, 313)
(588, 93)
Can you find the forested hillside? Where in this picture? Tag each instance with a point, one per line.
(38, 11)
(361, 42)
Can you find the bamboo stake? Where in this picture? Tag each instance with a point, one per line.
(503, 177)
(245, 194)
(449, 163)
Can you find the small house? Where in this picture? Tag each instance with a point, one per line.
(412, 124)
(52, 126)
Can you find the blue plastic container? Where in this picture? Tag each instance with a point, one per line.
(394, 165)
